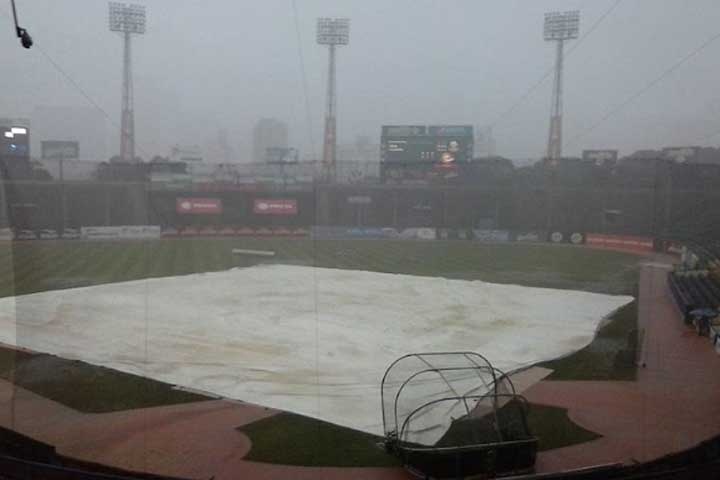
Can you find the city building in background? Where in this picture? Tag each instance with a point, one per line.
(268, 133)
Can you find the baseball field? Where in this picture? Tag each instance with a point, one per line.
(34, 267)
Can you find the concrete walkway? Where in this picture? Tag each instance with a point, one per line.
(196, 440)
(674, 404)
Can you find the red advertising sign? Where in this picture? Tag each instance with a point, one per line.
(620, 242)
(275, 206)
(199, 206)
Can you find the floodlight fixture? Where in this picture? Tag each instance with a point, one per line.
(126, 18)
(333, 31)
(562, 25)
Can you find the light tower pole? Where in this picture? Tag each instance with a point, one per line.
(559, 27)
(127, 20)
(331, 32)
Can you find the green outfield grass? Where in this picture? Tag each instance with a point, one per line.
(87, 388)
(28, 267)
(610, 356)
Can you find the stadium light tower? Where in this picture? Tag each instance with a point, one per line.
(331, 32)
(559, 27)
(128, 20)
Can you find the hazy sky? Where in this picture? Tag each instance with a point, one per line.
(204, 66)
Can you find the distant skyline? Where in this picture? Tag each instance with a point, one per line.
(209, 71)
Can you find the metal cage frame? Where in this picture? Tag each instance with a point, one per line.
(437, 460)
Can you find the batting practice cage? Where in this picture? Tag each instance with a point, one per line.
(454, 415)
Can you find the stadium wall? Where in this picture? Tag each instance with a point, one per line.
(615, 211)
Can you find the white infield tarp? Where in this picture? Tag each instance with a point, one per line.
(309, 340)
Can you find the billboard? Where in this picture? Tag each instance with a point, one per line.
(601, 158)
(681, 154)
(275, 206)
(620, 242)
(281, 155)
(186, 154)
(14, 138)
(198, 206)
(424, 154)
(60, 149)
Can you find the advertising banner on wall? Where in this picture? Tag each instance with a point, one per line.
(340, 233)
(198, 206)
(127, 232)
(275, 206)
(530, 237)
(491, 235)
(209, 231)
(576, 238)
(620, 242)
(376, 233)
(419, 234)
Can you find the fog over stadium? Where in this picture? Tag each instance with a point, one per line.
(360, 239)
(408, 62)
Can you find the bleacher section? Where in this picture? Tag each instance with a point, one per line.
(695, 287)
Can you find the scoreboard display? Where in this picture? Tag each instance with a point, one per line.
(14, 142)
(15, 150)
(423, 154)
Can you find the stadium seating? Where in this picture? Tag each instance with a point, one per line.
(694, 290)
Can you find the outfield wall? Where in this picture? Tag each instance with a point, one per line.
(632, 211)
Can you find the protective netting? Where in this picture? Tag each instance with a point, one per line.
(426, 395)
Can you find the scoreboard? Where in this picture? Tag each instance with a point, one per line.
(14, 142)
(15, 150)
(418, 143)
(423, 154)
